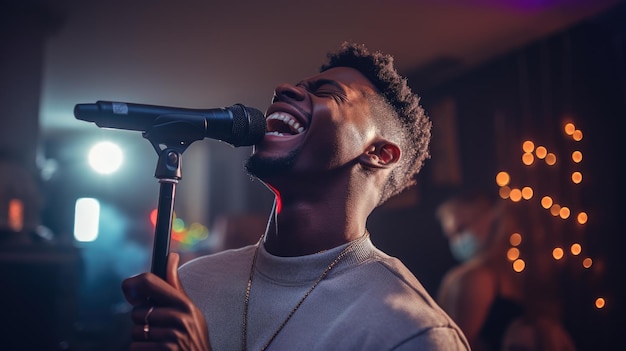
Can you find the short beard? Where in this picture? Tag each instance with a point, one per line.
(264, 168)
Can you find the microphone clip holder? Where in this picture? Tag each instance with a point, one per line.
(169, 139)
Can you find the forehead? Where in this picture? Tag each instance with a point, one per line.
(346, 77)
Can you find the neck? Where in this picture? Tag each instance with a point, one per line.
(318, 213)
(306, 228)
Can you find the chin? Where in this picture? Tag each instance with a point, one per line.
(265, 167)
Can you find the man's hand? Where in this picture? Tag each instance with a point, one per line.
(174, 323)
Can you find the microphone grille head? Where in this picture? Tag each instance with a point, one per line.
(248, 125)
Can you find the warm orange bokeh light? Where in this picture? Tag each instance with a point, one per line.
(519, 265)
(153, 217)
(504, 192)
(528, 158)
(557, 253)
(528, 146)
(541, 152)
(600, 302)
(577, 156)
(578, 135)
(515, 195)
(587, 262)
(582, 218)
(503, 178)
(16, 215)
(527, 192)
(546, 202)
(512, 254)
(576, 249)
(564, 212)
(550, 159)
(515, 239)
(555, 210)
(577, 177)
(569, 128)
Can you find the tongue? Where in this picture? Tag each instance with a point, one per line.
(279, 126)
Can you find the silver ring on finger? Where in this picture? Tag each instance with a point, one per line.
(146, 326)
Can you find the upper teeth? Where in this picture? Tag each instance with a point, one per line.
(287, 119)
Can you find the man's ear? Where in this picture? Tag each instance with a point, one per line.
(381, 154)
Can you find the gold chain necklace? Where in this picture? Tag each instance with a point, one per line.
(282, 325)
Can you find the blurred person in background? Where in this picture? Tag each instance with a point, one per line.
(482, 293)
(536, 334)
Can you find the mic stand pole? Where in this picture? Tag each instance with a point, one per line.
(170, 140)
(168, 172)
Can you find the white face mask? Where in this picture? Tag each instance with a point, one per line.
(464, 246)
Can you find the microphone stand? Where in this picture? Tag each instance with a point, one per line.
(169, 140)
(168, 172)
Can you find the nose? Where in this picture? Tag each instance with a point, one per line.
(288, 92)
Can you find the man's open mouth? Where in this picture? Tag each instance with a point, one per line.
(281, 124)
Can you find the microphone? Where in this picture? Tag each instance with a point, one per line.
(237, 125)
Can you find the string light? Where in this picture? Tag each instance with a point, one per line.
(557, 253)
(582, 218)
(515, 239)
(503, 178)
(528, 146)
(519, 265)
(512, 254)
(505, 192)
(541, 152)
(515, 195)
(578, 135)
(576, 249)
(527, 193)
(531, 153)
(528, 158)
(546, 202)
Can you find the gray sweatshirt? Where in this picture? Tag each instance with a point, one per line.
(368, 301)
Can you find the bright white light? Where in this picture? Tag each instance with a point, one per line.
(86, 219)
(105, 157)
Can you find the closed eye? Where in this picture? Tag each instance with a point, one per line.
(326, 88)
(330, 93)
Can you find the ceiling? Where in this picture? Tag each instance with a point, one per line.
(205, 54)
